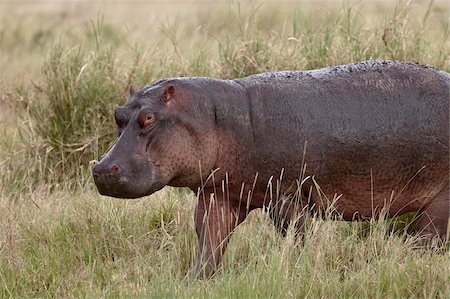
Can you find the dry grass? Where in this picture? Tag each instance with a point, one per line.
(83, 245)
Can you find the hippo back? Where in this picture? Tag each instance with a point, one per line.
(370, 125)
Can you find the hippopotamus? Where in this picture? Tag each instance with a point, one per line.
(361, 139)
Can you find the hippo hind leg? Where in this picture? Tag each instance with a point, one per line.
(434, 218)
(288, 212)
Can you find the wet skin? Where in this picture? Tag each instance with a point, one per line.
(363, 137)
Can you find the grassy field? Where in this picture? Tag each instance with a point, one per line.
(64, 67)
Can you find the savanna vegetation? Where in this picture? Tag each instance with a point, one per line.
(65, 65)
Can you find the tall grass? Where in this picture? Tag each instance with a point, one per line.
(86, 246)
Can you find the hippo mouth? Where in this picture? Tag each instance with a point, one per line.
(126, 191)
(111, 179)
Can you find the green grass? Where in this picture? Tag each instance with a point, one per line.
(65, 67)
(83, 245)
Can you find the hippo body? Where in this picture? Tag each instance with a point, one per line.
(362, 137)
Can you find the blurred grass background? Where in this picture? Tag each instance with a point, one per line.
(65, 65)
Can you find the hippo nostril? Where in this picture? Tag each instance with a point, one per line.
(95, 170)
(114, 169)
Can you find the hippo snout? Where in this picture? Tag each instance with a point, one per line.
(110, 179)
(101, 171)
(124, 179)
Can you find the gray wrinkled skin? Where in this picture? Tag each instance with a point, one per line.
(373, 135)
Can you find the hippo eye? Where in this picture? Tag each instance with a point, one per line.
(146, 120)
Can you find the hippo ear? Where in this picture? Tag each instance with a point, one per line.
(132, 90)
(169, 93)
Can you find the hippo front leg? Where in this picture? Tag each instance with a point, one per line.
(216, 217)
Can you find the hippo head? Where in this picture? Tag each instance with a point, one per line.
(160, 143)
